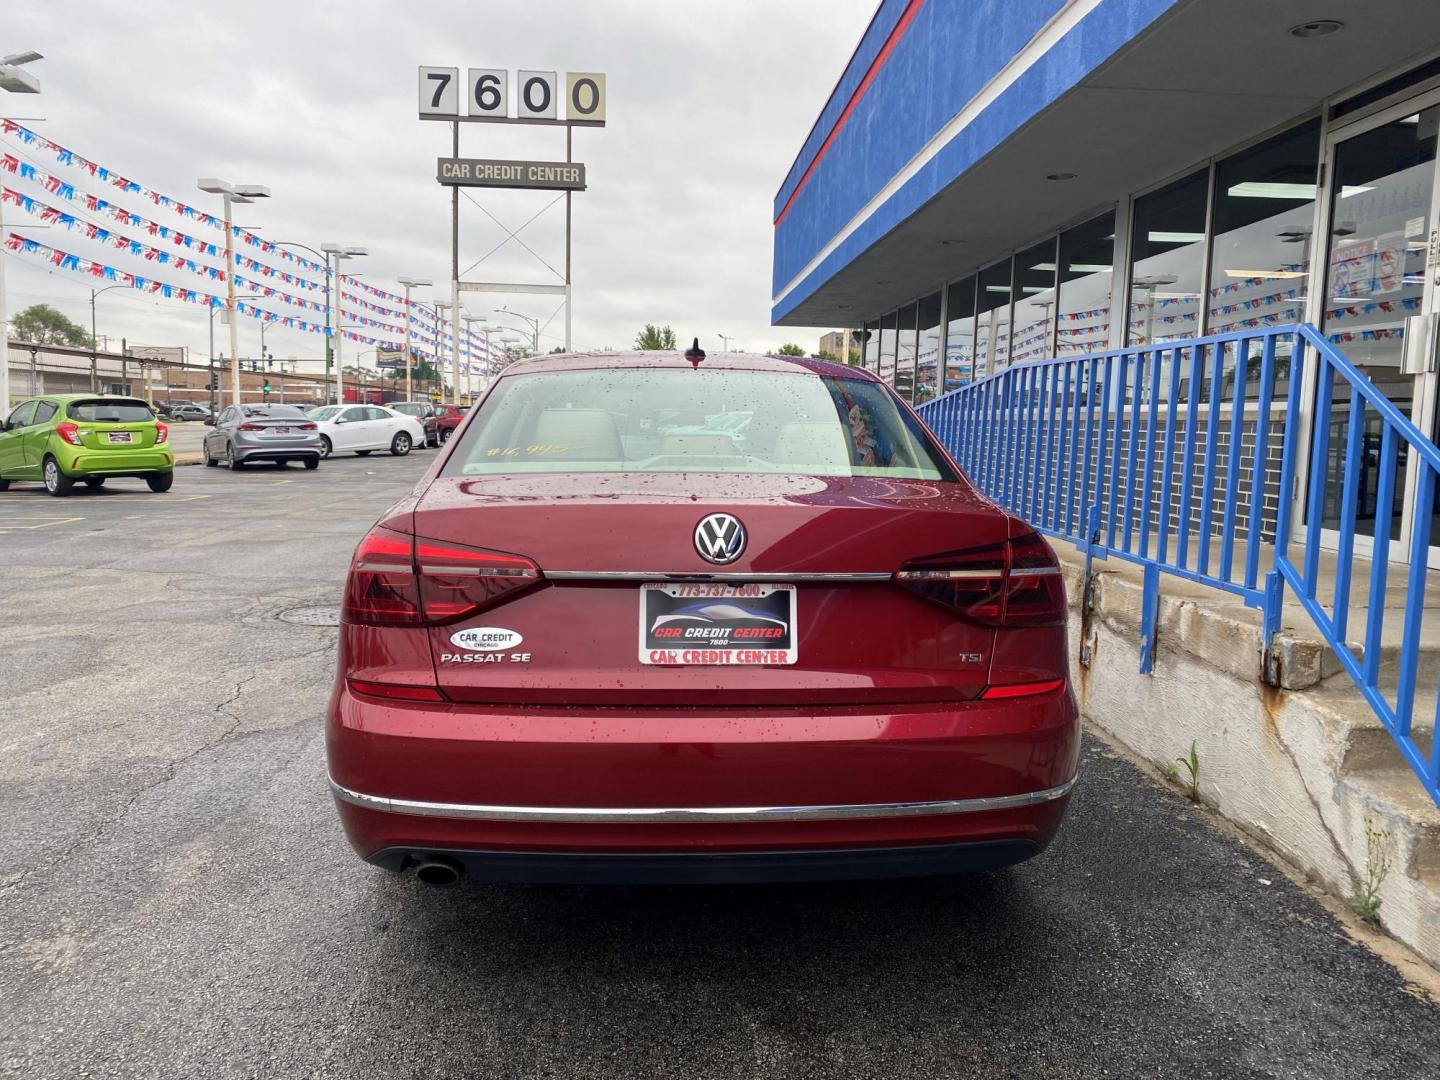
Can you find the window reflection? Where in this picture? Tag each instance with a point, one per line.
(1034, 297)
(1086, 254)
(1167, 256)
(927, 347)
(960, 334)
(886, 368)
(992, 319)
(1264, 209)
(904, 381)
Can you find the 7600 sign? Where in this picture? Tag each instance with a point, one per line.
(487, 95)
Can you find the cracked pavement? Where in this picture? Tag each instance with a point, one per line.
(177, 900)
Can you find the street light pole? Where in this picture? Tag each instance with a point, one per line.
(533, 324)
(339, 253)
(441, 306)
(410, 283)
(16, 82)
(232, 194)
(94, 337)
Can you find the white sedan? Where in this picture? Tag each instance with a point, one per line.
(362, 429)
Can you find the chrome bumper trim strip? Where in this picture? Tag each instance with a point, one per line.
(577, 815)
(682, 575)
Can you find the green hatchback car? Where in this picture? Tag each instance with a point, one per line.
(61, 439)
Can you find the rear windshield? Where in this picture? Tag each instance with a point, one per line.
(679, 420)
(109, 411)
(270, 410)
(410, 409)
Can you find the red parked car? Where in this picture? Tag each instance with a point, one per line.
(447, 419)
(605, 639)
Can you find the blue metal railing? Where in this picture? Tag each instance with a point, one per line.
(1181, 457)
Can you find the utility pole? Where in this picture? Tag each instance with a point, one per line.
(410, 283)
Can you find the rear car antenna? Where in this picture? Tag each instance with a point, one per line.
(695, 354)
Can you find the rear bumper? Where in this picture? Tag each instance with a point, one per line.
(267, 453)
(85, 462)
(700, 868)
(505, 790)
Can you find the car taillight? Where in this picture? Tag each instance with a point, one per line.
(397, 580)
(1013, 583)
(1004, 691)
(456, 580)
(250, 427)
(306, 427)
(69, 432)
(162, 433)
(381, 589)
(396, 691)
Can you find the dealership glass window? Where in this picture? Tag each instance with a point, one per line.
(905, 352)
(960, 333)
(1034, 314)
(1084, 315)
(886, 368)
(1379, 224)
(1167, 248)
(927, 348)
(992, 319)
(1263, 214)
(870, 345)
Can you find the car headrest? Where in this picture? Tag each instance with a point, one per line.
(697, 444)
(812, 445)
(588, 434)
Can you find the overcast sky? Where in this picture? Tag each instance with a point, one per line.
(707, 101)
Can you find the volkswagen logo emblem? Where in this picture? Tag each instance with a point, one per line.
(720, 538)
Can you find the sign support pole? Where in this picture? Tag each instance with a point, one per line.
(454, 279)
(569, 159)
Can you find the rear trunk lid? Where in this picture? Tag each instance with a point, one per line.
(112, 423)
(580, 638)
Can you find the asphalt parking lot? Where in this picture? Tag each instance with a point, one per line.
(177, 899)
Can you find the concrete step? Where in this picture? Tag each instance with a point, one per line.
(1362, 740)
(1395, 802)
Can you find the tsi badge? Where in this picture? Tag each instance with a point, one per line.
(485, 638)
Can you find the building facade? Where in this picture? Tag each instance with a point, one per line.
(997, 182)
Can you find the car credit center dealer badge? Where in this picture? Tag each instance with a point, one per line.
(715, 624)
(485, 645)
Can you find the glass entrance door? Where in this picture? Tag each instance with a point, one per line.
(1382, 206)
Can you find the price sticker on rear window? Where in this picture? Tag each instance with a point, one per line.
(700, 623)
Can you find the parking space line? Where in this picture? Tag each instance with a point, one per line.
(44, 523)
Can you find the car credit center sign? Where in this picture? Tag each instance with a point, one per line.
(478, 172)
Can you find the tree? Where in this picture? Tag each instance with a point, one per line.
(655, 338)
(791, 349)
(826, 354)
(44, 325)
(557, 349)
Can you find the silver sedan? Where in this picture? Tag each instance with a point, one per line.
(247, 433)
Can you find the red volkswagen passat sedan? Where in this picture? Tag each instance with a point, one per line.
(658, 618)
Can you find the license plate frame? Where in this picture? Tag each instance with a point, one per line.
(766, 635)
(119, 438)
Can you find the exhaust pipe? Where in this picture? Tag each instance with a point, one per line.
(439, 873)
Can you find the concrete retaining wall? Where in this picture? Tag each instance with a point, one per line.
(1301, 770)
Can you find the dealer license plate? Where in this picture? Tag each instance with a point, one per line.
(710, 624)
(120, 437)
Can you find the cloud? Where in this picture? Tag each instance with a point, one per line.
(707, 102)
